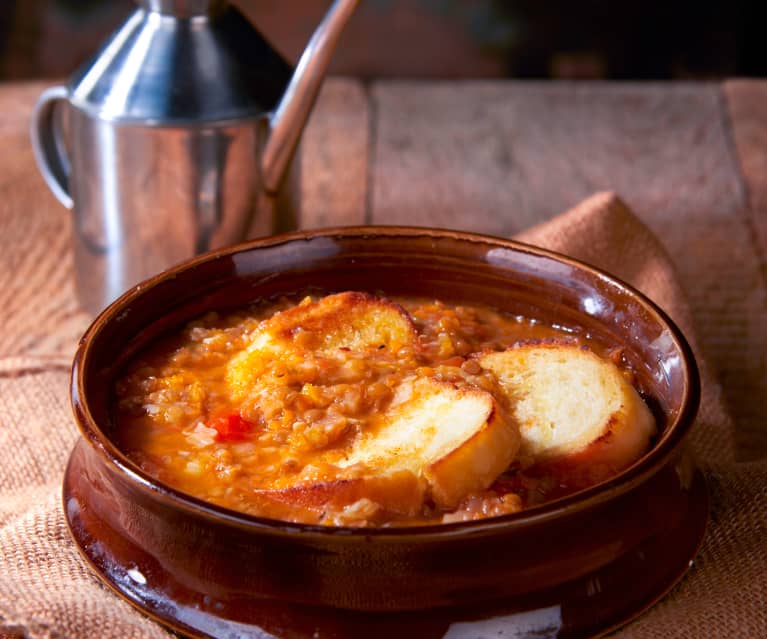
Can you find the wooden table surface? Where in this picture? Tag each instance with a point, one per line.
(490, 156)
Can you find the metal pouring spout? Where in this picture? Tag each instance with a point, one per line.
(287, 121)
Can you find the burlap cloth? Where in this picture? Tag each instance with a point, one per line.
(47, 591)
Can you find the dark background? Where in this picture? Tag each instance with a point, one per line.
(618, 39)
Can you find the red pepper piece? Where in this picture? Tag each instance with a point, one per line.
(231, 427)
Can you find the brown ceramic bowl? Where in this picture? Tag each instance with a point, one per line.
(580, 565)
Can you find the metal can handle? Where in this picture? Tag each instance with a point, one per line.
(48, 145)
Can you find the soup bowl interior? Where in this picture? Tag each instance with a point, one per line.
(205, 557)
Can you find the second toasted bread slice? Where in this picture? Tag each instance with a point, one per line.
(566, 399)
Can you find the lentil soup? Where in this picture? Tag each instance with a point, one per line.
(247, 409)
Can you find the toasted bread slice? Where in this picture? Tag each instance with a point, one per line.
(398, 493)
(458, 439)
(351, 320)
(325, 328)
(434, 441)
(567, 399)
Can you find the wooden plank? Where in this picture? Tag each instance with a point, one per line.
(334, 157)
(747, 105)
(747, 108)
(498, 157)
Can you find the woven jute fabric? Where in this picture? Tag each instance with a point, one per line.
(46, 590)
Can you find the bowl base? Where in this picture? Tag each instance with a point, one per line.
(589, 606)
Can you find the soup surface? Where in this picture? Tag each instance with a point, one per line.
(357, 410)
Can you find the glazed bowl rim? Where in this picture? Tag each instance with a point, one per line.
(644, 468)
